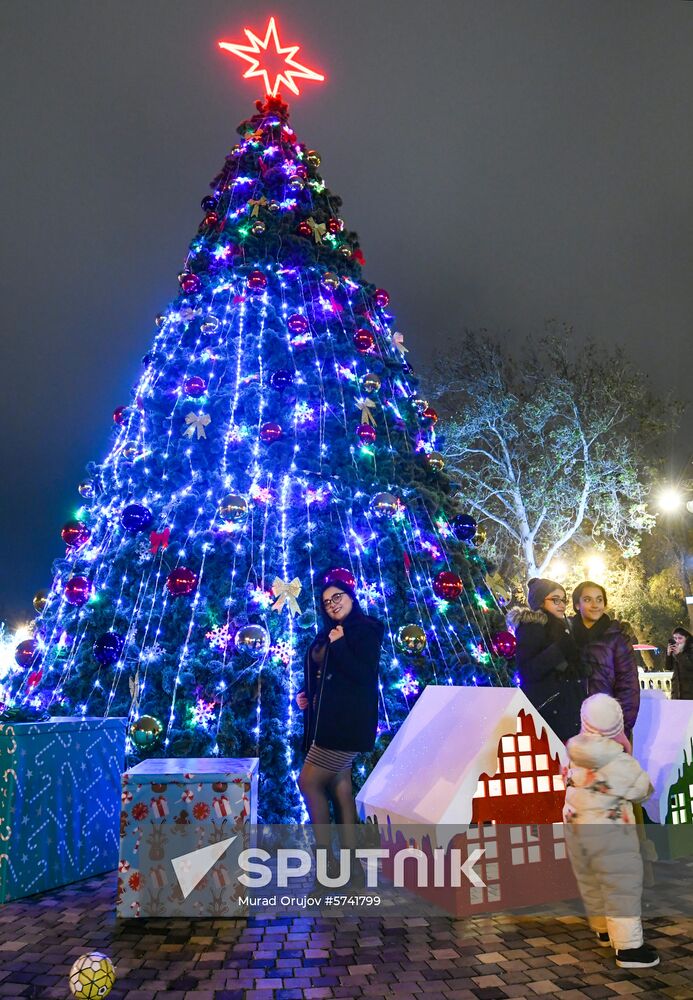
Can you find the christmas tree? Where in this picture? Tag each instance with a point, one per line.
(276, 439)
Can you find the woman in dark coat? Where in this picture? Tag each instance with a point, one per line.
(680, 662)
(606, 649)
(340, 707)
(547, 658)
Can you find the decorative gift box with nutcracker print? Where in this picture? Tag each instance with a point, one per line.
(59, 802)
(183, 823)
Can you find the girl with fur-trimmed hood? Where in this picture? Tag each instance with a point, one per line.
(547, 658)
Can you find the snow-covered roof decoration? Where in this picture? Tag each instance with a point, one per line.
(662, 734)
(430, 772)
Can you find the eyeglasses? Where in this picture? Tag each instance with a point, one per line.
(557, 600)
(334, 601)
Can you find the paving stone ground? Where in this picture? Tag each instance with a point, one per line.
(375, 955)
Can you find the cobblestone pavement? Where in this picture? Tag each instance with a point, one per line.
(359, 955)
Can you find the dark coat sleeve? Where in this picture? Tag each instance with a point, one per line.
(626, 682)
(682, 678)
(357, 654)
(535, 660)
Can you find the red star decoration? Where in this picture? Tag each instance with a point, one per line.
(280, 60)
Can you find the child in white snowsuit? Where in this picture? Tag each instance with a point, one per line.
(603, 780)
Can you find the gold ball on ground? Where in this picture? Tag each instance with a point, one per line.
(371, 382)
(92, 976)
(411, 639)
(435, 461)
(233, 507)
(146, 731)
(39, 601)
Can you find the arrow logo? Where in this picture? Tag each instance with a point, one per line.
(191, 868)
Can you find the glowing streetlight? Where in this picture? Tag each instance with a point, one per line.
(558, 569)
(595, 566)
(670, 499)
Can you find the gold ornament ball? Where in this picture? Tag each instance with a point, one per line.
(146, 731)
(296, 184)
(273, 207)
(330, 280)
(480, 536)
(92, 976)
(384, 504)
(346, 251)
(233, 507)
(39, 601)
(435, 461)
(258, 228)
(313, 158)
(130, 453)
(371, 382)
(411, 639)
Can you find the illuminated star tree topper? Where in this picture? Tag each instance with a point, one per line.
(269, 59)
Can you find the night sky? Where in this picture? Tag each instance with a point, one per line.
(504, 162)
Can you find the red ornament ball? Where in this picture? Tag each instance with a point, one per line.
(27, 653)
(77, 591)
(181, 581)
(504, 644)
(382, 298)
(194, 386)
(364, 341)
(270, 432)
(189, 282)
(298, 324)
(256, 282)
(303, 229)
(335, 225)
(366, 433)
(447, 585)
(430, 414)
(211, 219)
(338, 575)
(119, 414)
(75, 533)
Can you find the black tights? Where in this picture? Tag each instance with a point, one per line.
(319, 787)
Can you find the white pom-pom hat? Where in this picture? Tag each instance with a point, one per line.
(601, 714)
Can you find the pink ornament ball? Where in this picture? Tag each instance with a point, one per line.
(256, 282)
(382, 298)
(447, 586)
(194, 386)
(77, 591)
(364, 341)
(75, 533)
(339, 576)
(504, 644)
(119, 415)
(189, 282)
(297, 324)
(270, 432)
(366, 433)
(181, 581)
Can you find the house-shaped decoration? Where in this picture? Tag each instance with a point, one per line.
(476, 768)
(663, 744)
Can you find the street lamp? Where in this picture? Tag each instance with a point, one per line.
(595, 566)
(670, 500)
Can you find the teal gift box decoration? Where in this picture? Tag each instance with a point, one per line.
(59, 802)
